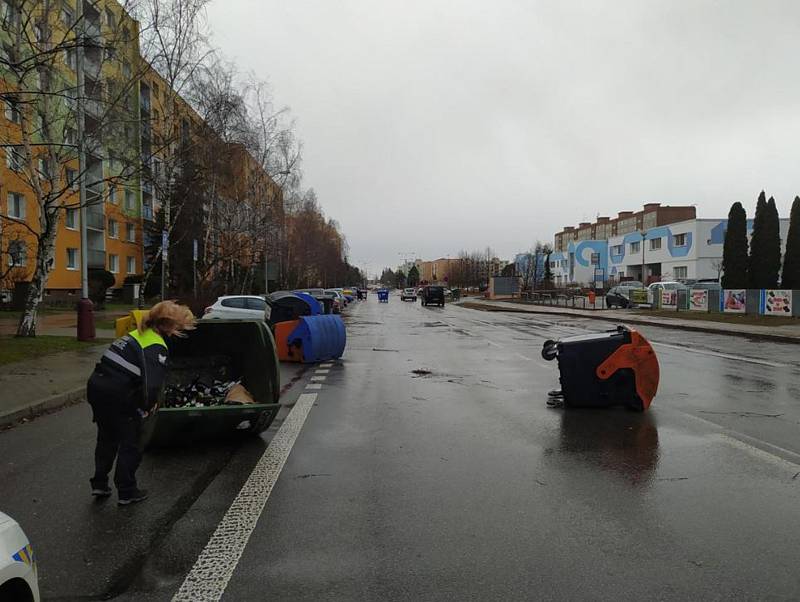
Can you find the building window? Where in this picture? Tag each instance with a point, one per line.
(16, 205)
(655, 244)
(635, 247)
(72, 259)
(680, 272)
(67, 16)
(44, 170)
(72, 178)
(680, 240)
(617, 249)
(71, 58)
(17, 254)
(130, 200)
(112, 194)
(113, 228)
(110, 19)
(130, 232)
(71, 219)
(131, 265)
(12, 111)
(113, 264)
(126, 70)
(14, 159)
(70, 136)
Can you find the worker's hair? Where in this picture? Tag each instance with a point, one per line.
(168, 317)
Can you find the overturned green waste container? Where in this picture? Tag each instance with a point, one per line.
(223, 351)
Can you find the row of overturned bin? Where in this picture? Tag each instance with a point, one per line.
(306, 329)
(223, 378)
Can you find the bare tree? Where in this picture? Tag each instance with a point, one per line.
(69, 90)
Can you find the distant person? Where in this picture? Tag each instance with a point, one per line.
(123, 390)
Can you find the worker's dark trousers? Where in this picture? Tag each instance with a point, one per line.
(118, 427)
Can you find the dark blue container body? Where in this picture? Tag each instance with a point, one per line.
(322, 337)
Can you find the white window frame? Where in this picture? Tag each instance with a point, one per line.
(113, 228)
(130, 232)
(21, 203)
(682, 276)
(130, 264)
(113, 264)
(635, 247)
(74, 213)
(76, 264)
(71, 59)
(130, 196)
(112, 194)
(655, 244)
(679, 237)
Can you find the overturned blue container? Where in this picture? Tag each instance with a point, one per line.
(319, 338)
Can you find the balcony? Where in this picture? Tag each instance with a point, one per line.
(95, 221)
(147, 212)
(97, 259)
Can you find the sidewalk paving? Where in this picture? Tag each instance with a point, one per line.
(783, 333)
(34, 386)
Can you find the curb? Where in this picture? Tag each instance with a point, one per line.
(750, 335)
(54, 402)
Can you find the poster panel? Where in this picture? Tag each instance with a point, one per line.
(733, 300)
(698, 299)
(669, 299)
(777, 302)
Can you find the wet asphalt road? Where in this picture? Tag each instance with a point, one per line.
(462, 485)
(457, 483)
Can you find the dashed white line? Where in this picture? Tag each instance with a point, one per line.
(326, 365)
(318, 378)
(314, 386)
(492, 343)
(214, 568)
(322, 372)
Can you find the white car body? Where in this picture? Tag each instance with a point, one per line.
(18, 573)
(409, 293)
(656, 288)
(339, 295)
(237, 307)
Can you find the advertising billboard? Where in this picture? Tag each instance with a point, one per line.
(777, 302)
(733, 300)
(698, 299)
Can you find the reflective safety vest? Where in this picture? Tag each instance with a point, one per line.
(137, 361)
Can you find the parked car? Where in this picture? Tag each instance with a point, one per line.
(657, 287)
(343, 302)
(620, 296)
(409, 294)
(433, 295)
(18, 571)
(237, 307)
(709, 285)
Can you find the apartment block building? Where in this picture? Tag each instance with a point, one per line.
(135, 129)
(658, 243)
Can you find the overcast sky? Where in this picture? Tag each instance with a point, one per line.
(432, 126)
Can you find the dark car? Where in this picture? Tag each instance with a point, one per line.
(620, 296)
(433, 295)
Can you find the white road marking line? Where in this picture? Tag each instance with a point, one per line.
(313, 386)
(727, 356)
(493, 343)
(322, 372)
(326, 365)
(762, 454)
(318, 378)
(210, 575)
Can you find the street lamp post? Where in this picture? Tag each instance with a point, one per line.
(643, 232)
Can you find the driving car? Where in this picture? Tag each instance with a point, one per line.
(409, 294)
(236, 307)
(433, 295)
(18, 570)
